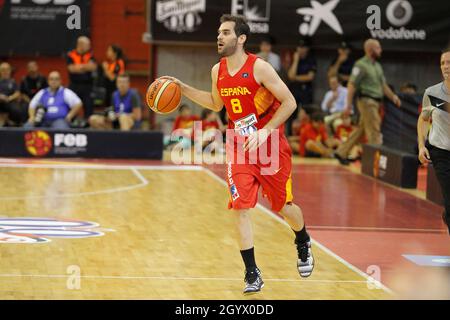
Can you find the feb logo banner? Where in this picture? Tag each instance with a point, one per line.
(41, 230)
(38, 143)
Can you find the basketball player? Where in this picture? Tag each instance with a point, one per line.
(258, 103)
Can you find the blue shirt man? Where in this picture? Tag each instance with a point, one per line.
(125, 111)
(55, 106)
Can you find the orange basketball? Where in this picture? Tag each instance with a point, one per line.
(163, 96)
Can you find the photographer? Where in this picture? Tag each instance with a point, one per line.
(53, 107)
(125, 111)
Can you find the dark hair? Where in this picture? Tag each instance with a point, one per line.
(124, 75)
(409, 85)
(268, 39)
(206, 113)
(317, 117)
(447, 49)
(182, 107)
(241, 26)
(117, 50)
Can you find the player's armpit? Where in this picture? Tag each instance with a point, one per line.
(269, 78)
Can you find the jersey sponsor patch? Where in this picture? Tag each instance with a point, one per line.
(234, 192)
(439, 103)
(246, 126)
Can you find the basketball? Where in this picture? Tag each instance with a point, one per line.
(163, 96)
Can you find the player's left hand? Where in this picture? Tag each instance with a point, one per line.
(256, 139)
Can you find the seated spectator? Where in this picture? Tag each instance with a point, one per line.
(342, 64)
(211, 124)
(333, 104)
(10, 112)
(265, 52)
(185, 120)
(301, 121)
(183, 127)
(314, 140)
(408, 88)
(54, 107)
(125, 111)
(210, 120)
(112, 68)
(32, 82)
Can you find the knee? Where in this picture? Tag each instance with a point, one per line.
(289, 209)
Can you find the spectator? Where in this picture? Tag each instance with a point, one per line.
(125, 111)
(211, 124)
(333, 103)
(9, 96)
(112, 68)
(341, 66)
(210, 120)
(368, 82)
(265, 52)
(54, 107)
(335, 98)
(185, 120)
(81, 64)
(183, 128)
(32, 82)
(302, 119)
(301, 74)
(314, 140)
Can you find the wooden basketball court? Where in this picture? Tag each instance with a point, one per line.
(162, 232)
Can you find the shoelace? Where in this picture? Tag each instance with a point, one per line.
(251, 276)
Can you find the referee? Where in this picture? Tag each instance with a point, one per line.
(436, 109)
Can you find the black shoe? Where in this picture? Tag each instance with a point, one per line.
(253, 281)
(444, 218)
(305, 261)
(343, 161)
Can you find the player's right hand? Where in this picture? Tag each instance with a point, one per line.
(178, 82)
(424, 155)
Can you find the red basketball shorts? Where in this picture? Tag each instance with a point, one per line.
(244, 181)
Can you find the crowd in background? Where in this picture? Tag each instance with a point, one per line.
(100, 96)
(97, 96)
(335, 127)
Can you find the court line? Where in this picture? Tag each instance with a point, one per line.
(339, 228)
(187, 168)
(172, 278)
(104, 167)
(143, 183)
(321, 246)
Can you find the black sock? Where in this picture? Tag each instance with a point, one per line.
(301, 236)
(249, 258)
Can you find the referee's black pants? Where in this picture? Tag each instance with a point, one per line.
(84, 92)
(441, 164)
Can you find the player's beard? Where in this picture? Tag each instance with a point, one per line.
(228, 50)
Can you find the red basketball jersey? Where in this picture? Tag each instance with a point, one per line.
(249, 105)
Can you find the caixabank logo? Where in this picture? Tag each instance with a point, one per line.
(41, 230)
(38, 143)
